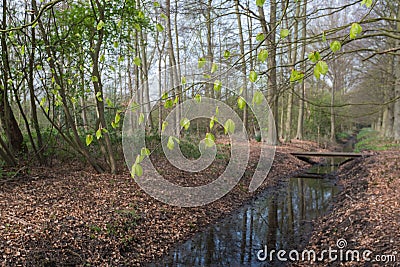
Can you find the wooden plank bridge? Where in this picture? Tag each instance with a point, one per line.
(305, 156)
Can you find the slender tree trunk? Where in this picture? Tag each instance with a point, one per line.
(34, 116)
(98, 89)
(293, 57)
(300, 119)
(273, 99)
(396, 123)
(243, 61)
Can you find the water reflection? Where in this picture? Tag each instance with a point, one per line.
(280, 219)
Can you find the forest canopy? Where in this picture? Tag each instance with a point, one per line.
(70, 69)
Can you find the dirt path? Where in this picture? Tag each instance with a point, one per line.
(71, 216)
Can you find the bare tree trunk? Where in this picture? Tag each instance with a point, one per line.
(9, 123)
(243, 61)
(174, 72)
(293, 58)
(98, 88)
(272, 86)
(300, 119)
(396, 123)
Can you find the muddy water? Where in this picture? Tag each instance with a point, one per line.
(279, 219)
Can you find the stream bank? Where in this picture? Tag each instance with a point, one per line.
(366, 213)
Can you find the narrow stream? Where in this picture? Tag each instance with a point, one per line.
(278, 219)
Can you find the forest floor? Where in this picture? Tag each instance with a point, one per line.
(366, 213)
(68, 215)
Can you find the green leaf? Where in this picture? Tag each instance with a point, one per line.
(22, 50)
(335, 46)
(260, 3)
(116, 44)
(98, 97)
(314, 56)
(296, 76)
(284, 33)
(163, 126)
(227, 54)
(100, 25)
(139, 159)
(197, 98)
(164, 96)
(171, 143)
(145, 151)
(136, 170)
(137, 61)
(159, 27)
(89, 139)
(117, 118)
(169, 103)
(214, 68)
(355, 30)
(109, 102)
(260, 37)
(141, 118)
(258, 98)
(102, 58)
(42, 101)
(185, 123)
(263, 55)
(156, 4)
(241, 102)
(216, 111)
(212, 121)
(202, 61)
(98, 133)
(209, 140)
(114, 125)
(176, 100)
(320, 68)
(183, 80)
(367, 3)
(317, 74)
(253, 76)
(217, 85)
(323, 37)
(95, 79)
(229, 127)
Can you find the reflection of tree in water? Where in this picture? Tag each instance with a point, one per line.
(280, 219)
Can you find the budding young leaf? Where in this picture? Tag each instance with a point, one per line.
(185, 123)
(217, 85)
(335, 46)
(209, 140)
(214, 68)
(253, 76)
(241, 102)
(89, 139)
(229, 127)
(355, 30)
(258, 98)
(284, 33)
(227, 54)
(263, 55)
(100, 25)
(202, 61)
